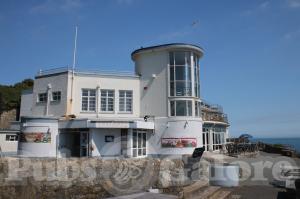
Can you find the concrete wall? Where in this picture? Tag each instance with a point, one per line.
(102, 148)
(106, 82)
(58, 83)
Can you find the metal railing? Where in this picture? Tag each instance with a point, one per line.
(218, 117)
(85, 71)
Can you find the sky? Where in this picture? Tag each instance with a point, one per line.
(250, 65)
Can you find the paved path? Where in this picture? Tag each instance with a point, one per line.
(146, 195)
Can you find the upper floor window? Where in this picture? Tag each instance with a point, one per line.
(125, 101)
(88, 101)
(180, 73)
(11, 137)
(56, 96)
(42, 97)
(196, 76)
(181, 107)
(107, 100)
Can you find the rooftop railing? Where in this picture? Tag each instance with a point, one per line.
(217, 117)
(84, 71)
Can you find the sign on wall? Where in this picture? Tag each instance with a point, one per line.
(35, 137)
(178, 142)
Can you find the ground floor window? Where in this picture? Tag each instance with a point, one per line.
(181, 107)
(218, 138)
(11, 138)
(139, 139)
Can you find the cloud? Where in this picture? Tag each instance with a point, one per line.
(50, 6)
(258, 8)
(293, 3)
(292, 34)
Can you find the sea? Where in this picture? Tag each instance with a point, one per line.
(294, 142)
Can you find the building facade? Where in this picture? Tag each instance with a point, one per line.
(155, 111)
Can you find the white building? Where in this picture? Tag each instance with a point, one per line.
(154, 112)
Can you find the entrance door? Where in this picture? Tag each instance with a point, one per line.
(139, 139)
(84, 144)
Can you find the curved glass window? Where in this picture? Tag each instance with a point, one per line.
(196, 76)
(180, 74)
(181, 108)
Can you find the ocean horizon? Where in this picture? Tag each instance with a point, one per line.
(291, 141)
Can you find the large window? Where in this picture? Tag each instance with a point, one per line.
(107, 100)
(197, 109)
(88, 101)
(181, 108)
(180, 74)
(139, 139)
(125, 101)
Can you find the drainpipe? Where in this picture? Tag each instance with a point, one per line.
(48, 98)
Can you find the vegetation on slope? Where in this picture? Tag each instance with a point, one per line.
(10, 95)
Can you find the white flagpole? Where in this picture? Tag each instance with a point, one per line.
(75, 49)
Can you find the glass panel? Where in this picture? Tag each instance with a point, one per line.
(183, 88)
(134, 140)
(189, 108)
(139, 140)
(144, 151)
(183, 73)
(140, 152)
(172, 106)
(172, 88)
(180, 108)
(134, 153)
(171, 73)
(144, 139)
(179, 58)
(92, 92)
(85, 93)
(171, 58)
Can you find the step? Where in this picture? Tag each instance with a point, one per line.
(205, 193)
(195, 187)
(221, 194)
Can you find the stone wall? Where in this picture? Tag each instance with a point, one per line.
(6, 117)
(92, 178)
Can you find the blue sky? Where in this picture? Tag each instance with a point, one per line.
(252, 48)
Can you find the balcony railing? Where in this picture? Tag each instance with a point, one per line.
(84, 71)
(217, 117)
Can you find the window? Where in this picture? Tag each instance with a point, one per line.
(181, 108)
(109, 138)
(125, 101)
(42, 97)
(107, 100)
(56, 96)
(139, 138)
(180, 74)
(11, 138)
(88, 102)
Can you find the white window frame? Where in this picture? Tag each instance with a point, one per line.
(11, 138)
(126, 98)
(186, 100)
(138, 147)
(106, 100)
(45, 97)
(89, 98)
(56, 94)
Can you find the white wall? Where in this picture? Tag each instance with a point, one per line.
(26, 103)
(174, 128)
(154, 99)
(58, 83)
(31, 149)
(8, 146)
(102, 148)
(106, 82)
